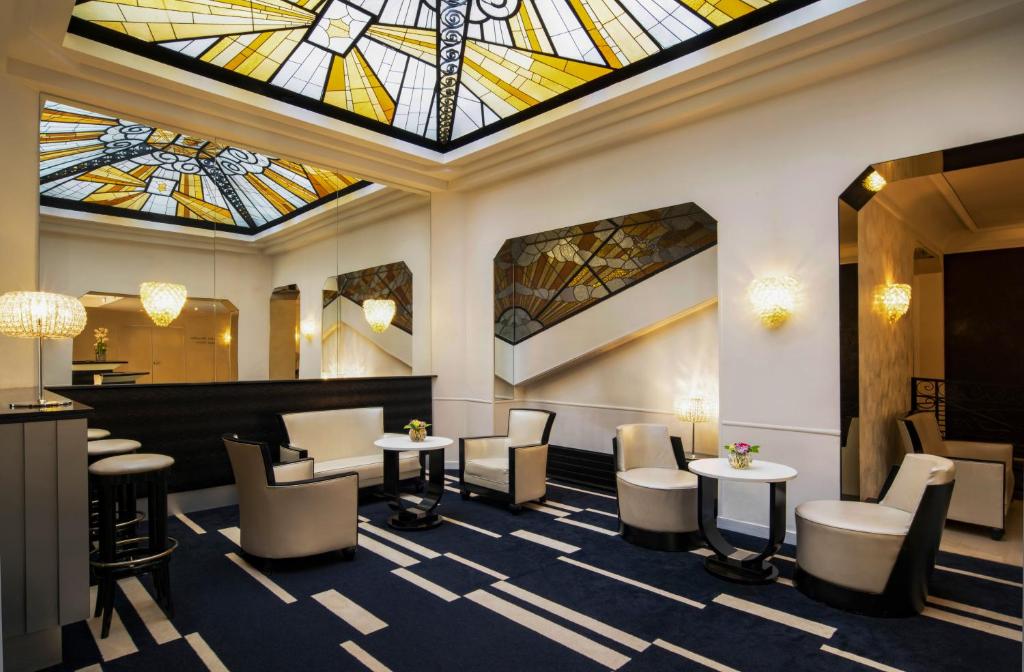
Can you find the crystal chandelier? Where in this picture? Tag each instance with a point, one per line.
(163, 301)
(379, 313)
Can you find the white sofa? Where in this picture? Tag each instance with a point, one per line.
(340, 440)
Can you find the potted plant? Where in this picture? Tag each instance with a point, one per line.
(741, 454)
(99, 344)
(417, 430)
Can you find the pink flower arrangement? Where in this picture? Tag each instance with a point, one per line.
(740, 448)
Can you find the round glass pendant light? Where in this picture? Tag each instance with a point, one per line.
(379, 313)
(163, 301)
(41, 315)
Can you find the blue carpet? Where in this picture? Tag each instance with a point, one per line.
(682, 618)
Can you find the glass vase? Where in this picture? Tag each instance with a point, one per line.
(737, 461)
(418, 435)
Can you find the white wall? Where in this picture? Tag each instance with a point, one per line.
(770, 174)
(403, 237)
(639, 381)
(72, 264)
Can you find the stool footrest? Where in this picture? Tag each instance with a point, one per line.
(132, 561)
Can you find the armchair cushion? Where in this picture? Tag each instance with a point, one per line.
(486, 446)
(857, 516)
(491, 472)
(659, 478)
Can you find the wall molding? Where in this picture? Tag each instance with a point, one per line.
(781, 428)
(471, 400)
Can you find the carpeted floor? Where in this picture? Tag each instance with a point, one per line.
(487, 594)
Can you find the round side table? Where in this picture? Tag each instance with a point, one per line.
(728, 562)
(408, 515)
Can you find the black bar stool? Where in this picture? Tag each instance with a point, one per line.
(127, 517)
(117, 558)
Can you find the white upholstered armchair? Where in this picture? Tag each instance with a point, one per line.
(657, 495)
(984, 472)
(871, 558)
(512, 467)
(287, 513)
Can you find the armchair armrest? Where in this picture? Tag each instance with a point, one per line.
(289, 472)
(528, 467)
(483, 446)
(306, 517)
(292, 453)
(976, 450)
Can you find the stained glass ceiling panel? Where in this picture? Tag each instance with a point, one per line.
(95, 162)
(437, 72)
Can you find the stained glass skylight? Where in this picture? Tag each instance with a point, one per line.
(436, 72)
(95, 162)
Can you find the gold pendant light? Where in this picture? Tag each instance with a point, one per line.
(163, 301)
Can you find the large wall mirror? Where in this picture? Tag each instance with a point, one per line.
(200, 260)
(931, 270)
(610, 322)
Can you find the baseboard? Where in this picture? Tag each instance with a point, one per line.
(752, 529)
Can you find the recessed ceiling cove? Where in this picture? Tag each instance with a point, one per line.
(95, 162)
(439, 73)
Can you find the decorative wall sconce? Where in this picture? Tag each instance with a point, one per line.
(225, 338)
(893, 301)
(693, 410)
(774, 299)
(307, 328)
(379, 313)
(163, 301)
(874, 181)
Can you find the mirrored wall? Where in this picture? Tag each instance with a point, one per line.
(199, 260)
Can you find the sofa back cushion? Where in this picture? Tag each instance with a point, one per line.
(335, 433)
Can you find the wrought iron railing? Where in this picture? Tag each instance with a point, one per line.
(972, 411)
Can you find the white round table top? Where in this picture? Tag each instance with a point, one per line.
(404, 443)
(759, 471)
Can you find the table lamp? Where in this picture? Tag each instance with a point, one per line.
(40, 315)
(693, 410)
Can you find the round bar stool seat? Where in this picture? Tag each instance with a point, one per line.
(102, 448)
(115, 479)
(95, 433)
(125, 465)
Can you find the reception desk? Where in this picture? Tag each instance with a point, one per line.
(44, 528)
(187, 420)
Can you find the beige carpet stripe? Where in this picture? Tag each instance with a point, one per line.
(363, 656)
(633, 582)
(559, 634)
(189, 523)
(586, 492)
(984, 577)
(350, 612)
(118, 643)
(363, 519)
(972, 623)
(588, 526)
(205, 653)
(262, 578)
(603, 513)
(386, 552)
(91, 668)
(977, 611)
(695, 657)
(560, 546)
(493, 535)
(152, 616)
(233, 534)
(429, 586)
(451, 489)
(867, 662)
(702, 552)
(546, 509)
(580, 619)
(564, 507)
(478, 567)
(400, 541)
(769, 614)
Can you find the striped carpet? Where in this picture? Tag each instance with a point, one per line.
(551, 589)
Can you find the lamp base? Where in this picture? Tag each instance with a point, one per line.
(39, 403)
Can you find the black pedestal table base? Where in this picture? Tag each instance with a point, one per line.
(409, 515)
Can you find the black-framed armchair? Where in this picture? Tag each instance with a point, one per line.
(984, 472)
(286, 512)
(512, 467)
